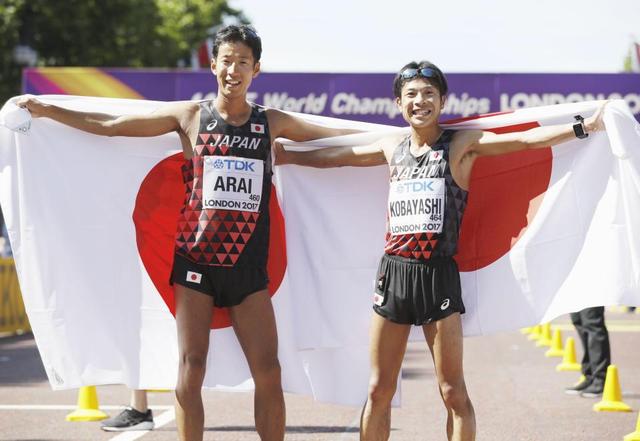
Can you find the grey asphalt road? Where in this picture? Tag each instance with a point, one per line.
(517, 395)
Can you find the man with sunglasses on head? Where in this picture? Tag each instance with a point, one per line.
(418, 282)
(213, 134)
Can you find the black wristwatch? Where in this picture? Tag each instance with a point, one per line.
(578, 128)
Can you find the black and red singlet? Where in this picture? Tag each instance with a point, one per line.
(426, 205)
(225, 219)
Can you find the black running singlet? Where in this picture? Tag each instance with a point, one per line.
(225, 219)
(425, 203)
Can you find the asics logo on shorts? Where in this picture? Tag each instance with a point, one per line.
(212, 125)
(445, 304)
(193, 277)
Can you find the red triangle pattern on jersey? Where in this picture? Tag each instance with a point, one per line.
(210, 237)
(416, 246)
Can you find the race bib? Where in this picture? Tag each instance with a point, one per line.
(416, 206)
(232, 183)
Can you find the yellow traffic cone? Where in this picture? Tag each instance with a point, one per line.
(556, 349)
(535, 334)
(545, 336)
(87, 406)
(527, 330)
(569, 358)
(612, 396)
(634, 436)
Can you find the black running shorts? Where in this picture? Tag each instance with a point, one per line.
(227, 285)
(416, 292)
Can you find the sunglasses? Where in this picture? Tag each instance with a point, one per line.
(412, 72)
(249, 30)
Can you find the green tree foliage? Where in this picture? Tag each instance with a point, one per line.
(9, 27)
(114, 33)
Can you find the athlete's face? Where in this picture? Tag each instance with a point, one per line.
(234, 68)
(420, 103)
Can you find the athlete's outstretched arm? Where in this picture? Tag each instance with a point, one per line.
(169, 118)
(480, 143)
(364, 156)
(284, 125)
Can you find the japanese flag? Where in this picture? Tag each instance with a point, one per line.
(545, 232)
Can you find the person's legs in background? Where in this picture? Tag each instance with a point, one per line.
(135, 417)
(598, 347)
(593, 334)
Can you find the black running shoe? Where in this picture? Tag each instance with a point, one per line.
(129, 419)
(594, 390)
(578, 388)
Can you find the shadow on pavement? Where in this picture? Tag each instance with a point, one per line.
(20, 362)
(416, 373)
(289, 429)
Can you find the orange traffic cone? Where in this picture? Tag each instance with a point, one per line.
(87, 406)
(556, 349)
(569, 358)
(545, 336)
(612, 396)
(535, 334)
(634, 436)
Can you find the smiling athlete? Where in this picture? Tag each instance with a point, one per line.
(418, 282)
(227, 173)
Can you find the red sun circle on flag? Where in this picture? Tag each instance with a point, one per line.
(155, 216)
(505, 194)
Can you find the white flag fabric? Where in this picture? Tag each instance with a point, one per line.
(92, 220)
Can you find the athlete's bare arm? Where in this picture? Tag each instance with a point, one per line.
(284, 125)
(377, 153)
(467, 145)
(172, 117)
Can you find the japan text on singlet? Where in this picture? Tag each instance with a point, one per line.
(225, 219)
(426, 205)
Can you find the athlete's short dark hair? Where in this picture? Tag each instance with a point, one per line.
(238, 33)
(436, 77)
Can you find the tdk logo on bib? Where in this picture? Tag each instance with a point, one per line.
(414, 186)
(235, 165)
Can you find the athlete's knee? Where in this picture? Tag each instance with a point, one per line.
(381, 390)
(267, 373)
(193, 365)
(455, 397)
(190, 378)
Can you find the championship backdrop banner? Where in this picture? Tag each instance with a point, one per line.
(92, 221)
(354, 96)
